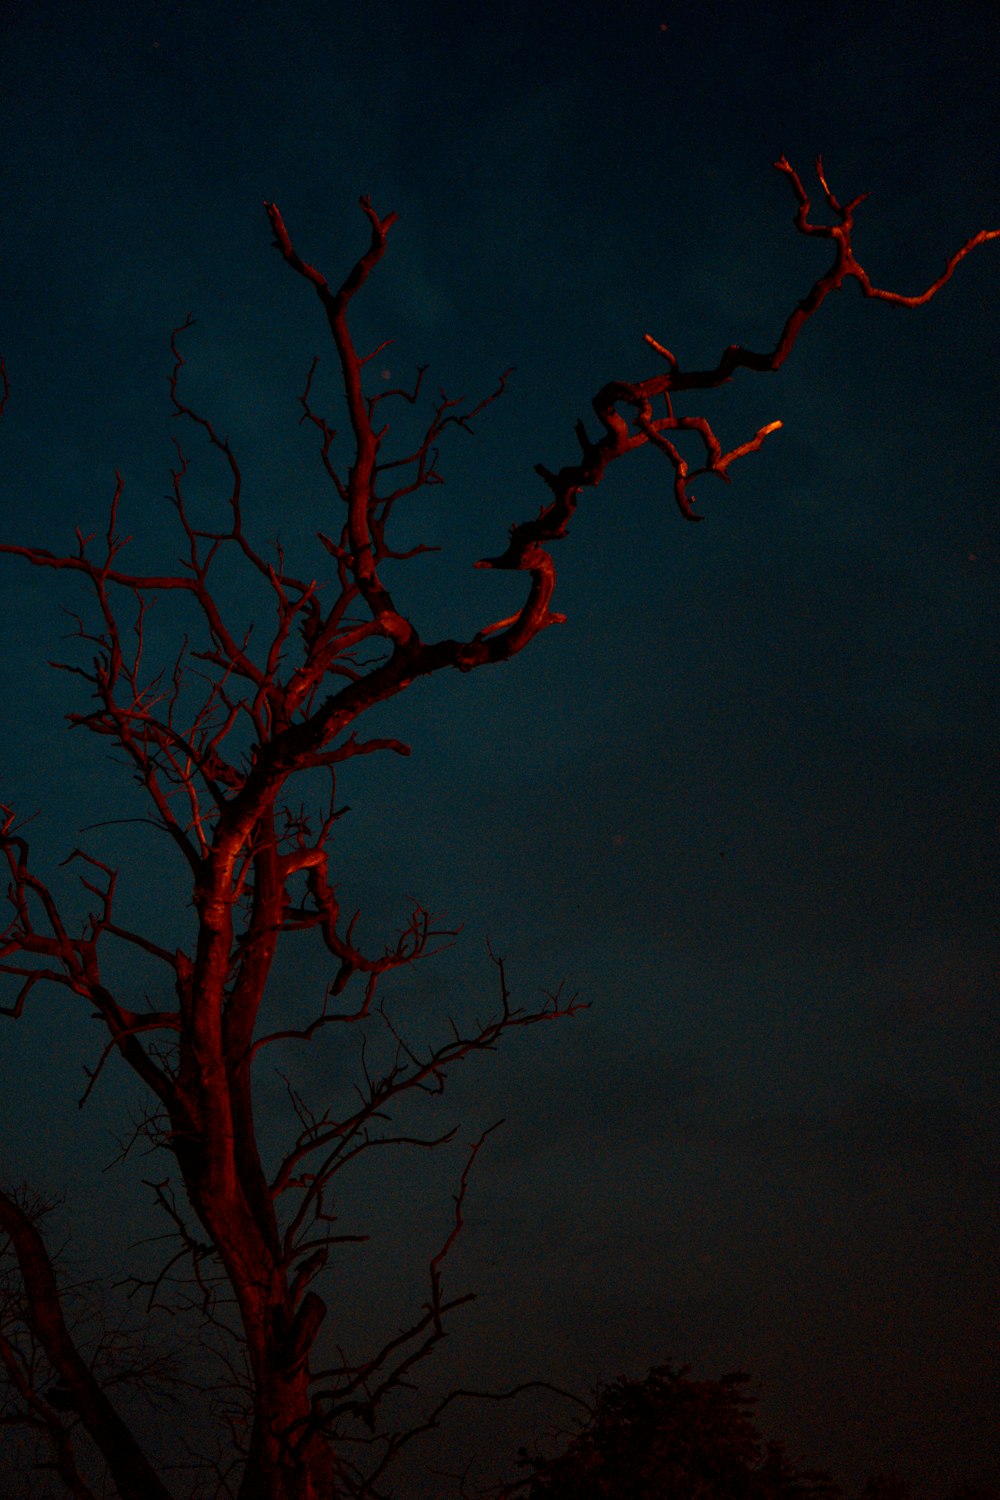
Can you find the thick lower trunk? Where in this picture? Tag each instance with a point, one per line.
(283, 1463)
(288, 1460)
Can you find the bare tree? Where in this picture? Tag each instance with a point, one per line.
(226, 742)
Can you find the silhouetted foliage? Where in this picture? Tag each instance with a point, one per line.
(669, 1437)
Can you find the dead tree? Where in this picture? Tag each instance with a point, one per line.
(222, 746)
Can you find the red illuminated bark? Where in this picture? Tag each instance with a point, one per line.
(221, 773)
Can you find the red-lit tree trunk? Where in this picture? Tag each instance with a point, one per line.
(220, 770)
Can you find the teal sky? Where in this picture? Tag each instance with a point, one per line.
(744, 800)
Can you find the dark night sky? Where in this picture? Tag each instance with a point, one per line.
(744, 801)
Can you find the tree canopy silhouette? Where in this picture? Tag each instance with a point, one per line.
(669, 1437)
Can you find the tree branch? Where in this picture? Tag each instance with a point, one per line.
(134, 1476)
